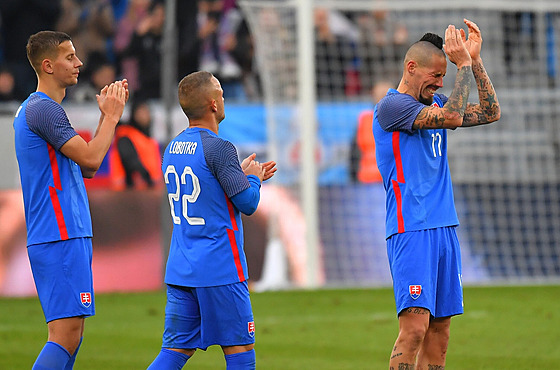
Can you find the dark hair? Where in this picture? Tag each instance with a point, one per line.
(42, 45)
(193, 91)
(436, 40)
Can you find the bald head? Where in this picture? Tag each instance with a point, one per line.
(195, 93)
(422, 52)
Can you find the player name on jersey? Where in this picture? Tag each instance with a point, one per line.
(183, 147)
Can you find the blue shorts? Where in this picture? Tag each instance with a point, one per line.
(426, 270)
(63, 278)
(201, 317)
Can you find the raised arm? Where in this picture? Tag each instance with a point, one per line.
(89, 156)
(488, 108)
(451, 114)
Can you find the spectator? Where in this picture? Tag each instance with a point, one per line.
(135, 160)
(145, 47)
(91, 25)
(137, 11)
(363, 163)
(98, 73)
(220, 22)
(189, 38)
(334, 57)
(21, 19)
(8, 91)
(383, 43)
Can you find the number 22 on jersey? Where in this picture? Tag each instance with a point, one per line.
(185, 199)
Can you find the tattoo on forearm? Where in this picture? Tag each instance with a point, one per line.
(436, 367)
(457, 102)
(454, 108)
(488, 109)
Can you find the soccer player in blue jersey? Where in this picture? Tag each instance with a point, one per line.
(53, 159)
(207, 295)
(409, 127)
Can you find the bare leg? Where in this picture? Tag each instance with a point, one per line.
(67, 332)
(434, 348)
(413, 325)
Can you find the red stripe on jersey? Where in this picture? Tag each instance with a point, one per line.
(231, 213)
(58, 213)
(397, 155)
(54, 195)
(235, 251)
(233, 241)
(54, 167)
(398, 198)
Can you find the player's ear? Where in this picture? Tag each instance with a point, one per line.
(47, 66)
(411, 67)
(214, 105)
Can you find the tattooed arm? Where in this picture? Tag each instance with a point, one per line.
(488, 108)
(451, 115)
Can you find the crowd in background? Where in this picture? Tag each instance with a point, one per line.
(123, 39)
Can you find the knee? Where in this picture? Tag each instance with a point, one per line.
(412, 336)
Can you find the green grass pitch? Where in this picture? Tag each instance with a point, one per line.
(503, 328)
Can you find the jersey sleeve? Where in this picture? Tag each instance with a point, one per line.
(443, 99)
(397, 112)
(222, 160)
(48, 120)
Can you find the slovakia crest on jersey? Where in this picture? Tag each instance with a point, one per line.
(251, 328)
(85, 298)
(415, 291)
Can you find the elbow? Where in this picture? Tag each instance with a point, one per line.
(455, 123)
(90, 168)
(497, 114)
(250, 210)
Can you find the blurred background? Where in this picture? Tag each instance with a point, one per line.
(300, 80)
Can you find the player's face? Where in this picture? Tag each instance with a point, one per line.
(66, 66)
(219, 96)
(430, 79)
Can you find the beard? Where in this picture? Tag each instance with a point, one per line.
(426, 101)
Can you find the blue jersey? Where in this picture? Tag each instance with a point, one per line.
(54, 194)
(202, 174)
(414, 167)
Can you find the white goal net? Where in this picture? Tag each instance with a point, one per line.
(506, 176)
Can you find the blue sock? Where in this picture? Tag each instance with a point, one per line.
(70, 363)
(52, 357)
(168, 359)
(241, 361)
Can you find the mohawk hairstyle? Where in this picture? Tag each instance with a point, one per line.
(434, 39)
